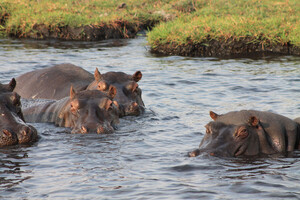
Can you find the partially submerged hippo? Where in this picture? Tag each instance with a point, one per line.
(8, 87)
(13, 129)
(129, 95)
(54, 83)
(249, 132)
(83, 111)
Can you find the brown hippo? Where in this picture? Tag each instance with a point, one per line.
(53, 83)
(129, 95)
(13, 129)
(84, 111)
(249, 132)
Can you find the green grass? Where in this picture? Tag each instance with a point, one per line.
(182, 22)
(265, 21)
(24, 14)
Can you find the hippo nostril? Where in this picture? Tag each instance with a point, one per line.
(7, 133)
(24, 133)
(134, 105)
(83, 129)
(100, 130)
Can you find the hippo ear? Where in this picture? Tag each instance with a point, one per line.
(72, 92)
(112, 91)
(97, 75)
(137, 76)
(213, 115)
(253, 121)
(12, 84)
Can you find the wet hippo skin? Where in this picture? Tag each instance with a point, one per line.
(249, 132)
(83, 111)
(54, 83)
(129, 95)
(13, 129)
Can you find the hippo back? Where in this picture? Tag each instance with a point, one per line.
(52, 82)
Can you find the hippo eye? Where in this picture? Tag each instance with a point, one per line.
(102, 86)
(74, 108)
(208, 129)
(132, 87)
(136, 89)
(17, 103)
(241, 133)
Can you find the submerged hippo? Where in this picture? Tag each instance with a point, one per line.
(83, 111)
(54, 83)
(249, 132)
(13, 129)
(129, 95)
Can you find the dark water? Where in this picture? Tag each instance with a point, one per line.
(147, 157)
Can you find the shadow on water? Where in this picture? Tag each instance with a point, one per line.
(59, 44)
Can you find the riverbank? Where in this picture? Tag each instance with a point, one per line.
(176, 27)
(222, 28)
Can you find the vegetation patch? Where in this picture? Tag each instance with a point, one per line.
(181, 27)
(231, 27)
(107, 19)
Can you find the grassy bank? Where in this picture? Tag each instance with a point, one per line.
(182, 27)
(262, 25)
(23, 18)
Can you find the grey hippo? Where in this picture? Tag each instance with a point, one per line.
(249, 133)
(54, 83)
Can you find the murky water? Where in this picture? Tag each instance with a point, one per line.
(146, 158)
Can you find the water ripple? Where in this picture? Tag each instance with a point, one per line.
(146, 158)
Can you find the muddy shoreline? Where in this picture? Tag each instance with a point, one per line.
(118, 30)
(226, 48)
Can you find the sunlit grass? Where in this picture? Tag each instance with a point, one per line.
(24, 14)
(181, 21)
(266, 21)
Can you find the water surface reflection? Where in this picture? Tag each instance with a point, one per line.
(147, 156)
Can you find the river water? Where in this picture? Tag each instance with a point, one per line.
(146, 158)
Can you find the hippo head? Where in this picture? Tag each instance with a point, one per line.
(13, 129)
(8, 87)
(129, 95)
(230, 140)
(90, 111)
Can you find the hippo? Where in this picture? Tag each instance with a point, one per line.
(53, 83)
(8, 87)
(297, 120)
(13, 129)
(129, 95)
(249, 133)
(84, 111)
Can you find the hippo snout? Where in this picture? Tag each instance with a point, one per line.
(98, 128)
(27, 134)
(134, 109)
(8, 137)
